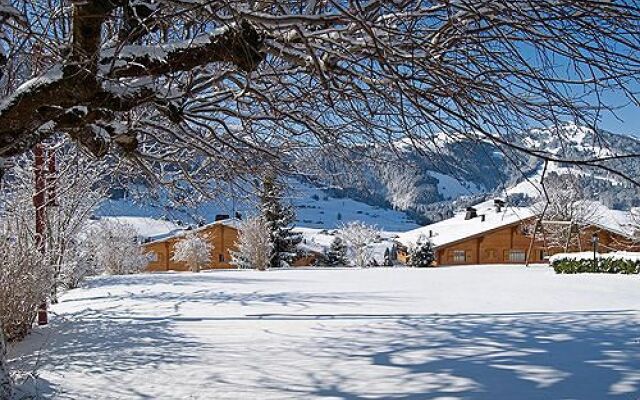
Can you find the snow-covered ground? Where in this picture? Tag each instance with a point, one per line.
(476, 332)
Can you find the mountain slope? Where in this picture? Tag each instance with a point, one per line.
(425, 185)
(314, 207)
(430, 183)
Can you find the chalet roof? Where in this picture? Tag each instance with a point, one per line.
(617, 221)
(458, 228)
(230, 222)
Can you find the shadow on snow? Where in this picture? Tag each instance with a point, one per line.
(572, 355)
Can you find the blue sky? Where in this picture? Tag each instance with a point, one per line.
(626, 120)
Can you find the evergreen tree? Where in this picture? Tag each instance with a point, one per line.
(422, 254)
(337, 253)
(279, 218)
(388, 262)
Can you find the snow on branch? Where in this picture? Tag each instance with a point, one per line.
(237, 43)
(194, 250)
(307, 75)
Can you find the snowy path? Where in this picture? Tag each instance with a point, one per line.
(491, 332)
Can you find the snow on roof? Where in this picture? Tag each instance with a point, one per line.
(230, 222)
(147, 227)
(314, 240)
(621, 222)
(457, 228)
(181, 231)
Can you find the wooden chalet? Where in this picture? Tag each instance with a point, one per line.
(222, 234)
(492, 233)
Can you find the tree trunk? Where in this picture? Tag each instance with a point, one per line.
(5, 377)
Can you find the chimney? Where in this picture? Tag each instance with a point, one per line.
(499, 204)
(482, 218)
(430, 233)
(221, 217)
(471, 213)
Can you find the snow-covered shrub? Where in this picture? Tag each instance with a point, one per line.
(81, 263)
(194, 250)
(254, 245)
(26, 280)
(610, 263)
(422, 253)
(358, 237)
(117, 251)
(72, 194)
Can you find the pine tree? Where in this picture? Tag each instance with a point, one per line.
(337, 253)
(279, 218)
(388, 262)
(422, 253)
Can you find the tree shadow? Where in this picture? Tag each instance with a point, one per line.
(97, 345)
(173, 278)
(573, 355)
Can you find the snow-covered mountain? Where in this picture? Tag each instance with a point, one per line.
(422, 187)
(430, 184)
(315, 208)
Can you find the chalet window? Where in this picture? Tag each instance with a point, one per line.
(152, 256)
(459, 256)
(221, 257)
(517, 256)
(490, 253)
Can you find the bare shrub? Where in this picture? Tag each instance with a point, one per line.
(117, 251)
(195, 250)
(254, 244)
(25, 279)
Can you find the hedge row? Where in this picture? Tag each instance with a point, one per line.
(604, 265)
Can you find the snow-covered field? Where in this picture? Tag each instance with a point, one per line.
(477, 332)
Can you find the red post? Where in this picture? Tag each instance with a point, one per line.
(39, 202)
(51, 178)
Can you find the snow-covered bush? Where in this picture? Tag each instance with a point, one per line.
(81, 263)
(117, 251)
(358, 237)
(26, 280)
(254, 245)
(609, 263)
(194, 250)
(72, 194)
(421, 253)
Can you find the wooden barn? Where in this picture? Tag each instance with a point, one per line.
(491, 233)
(222, 235)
